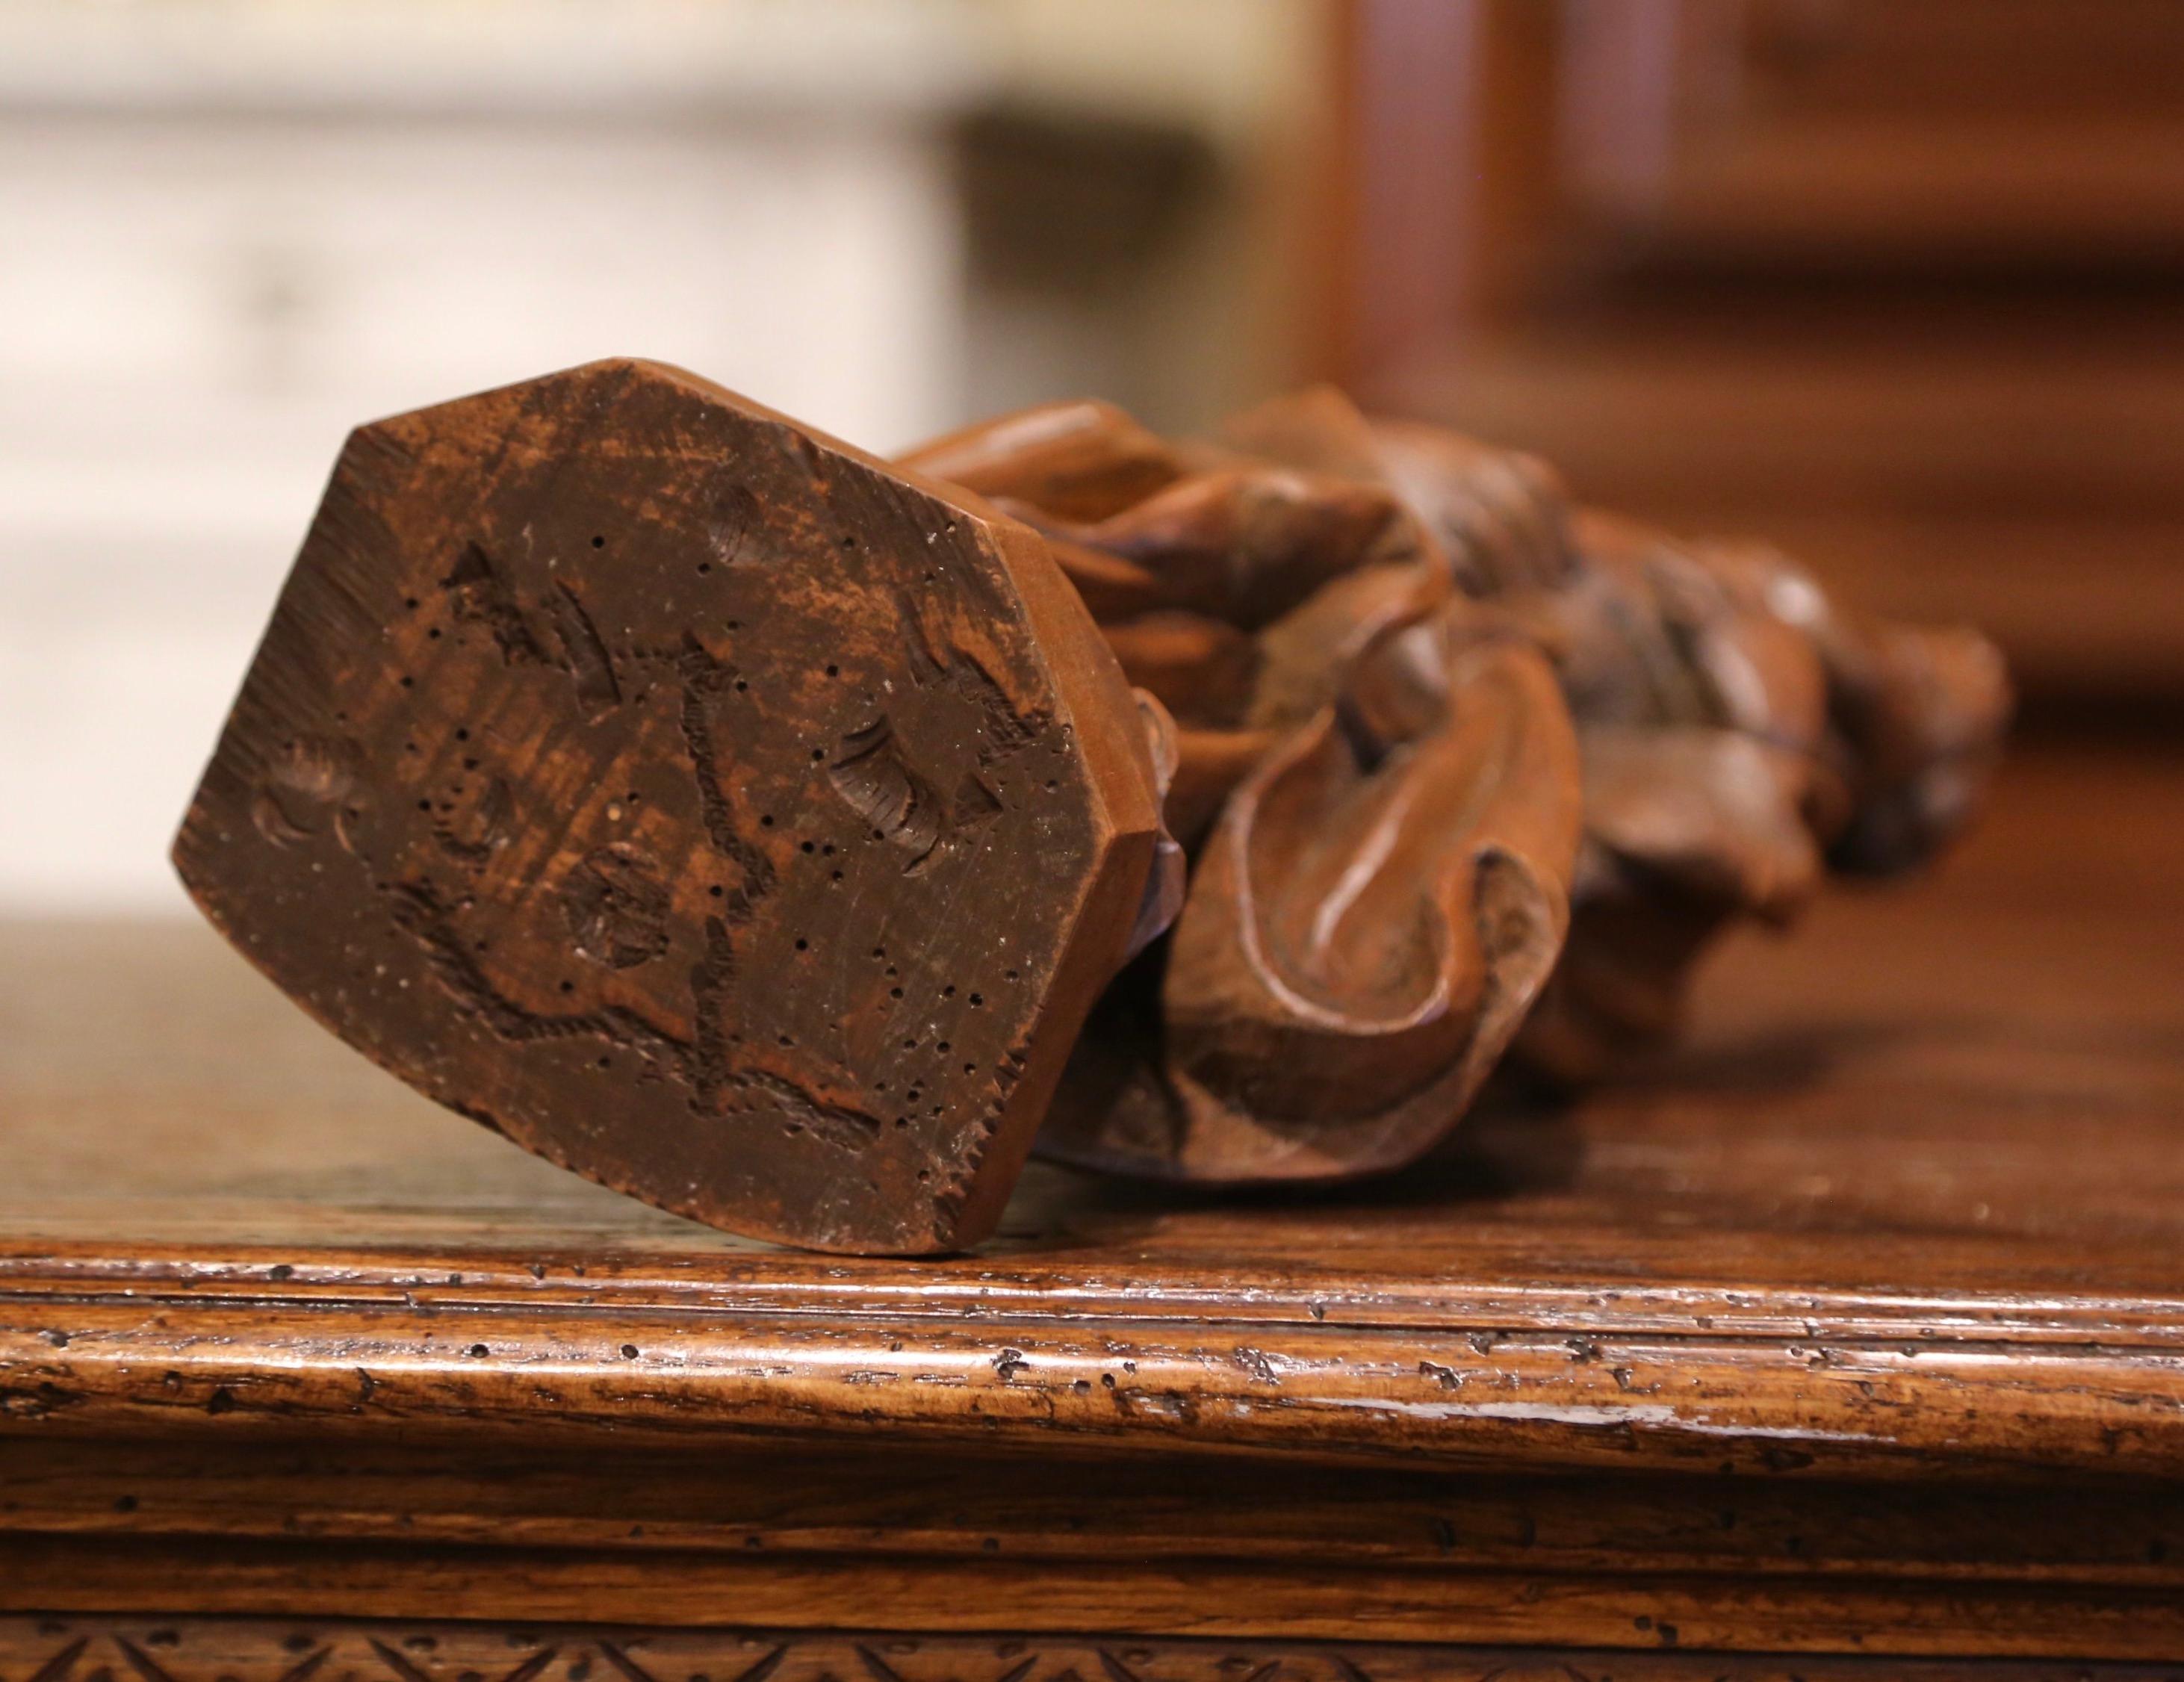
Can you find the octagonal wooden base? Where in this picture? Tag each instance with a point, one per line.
(708, 807)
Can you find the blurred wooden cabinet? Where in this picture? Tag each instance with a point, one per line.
(1897, 286)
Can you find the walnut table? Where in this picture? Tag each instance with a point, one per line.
(1849, 1344)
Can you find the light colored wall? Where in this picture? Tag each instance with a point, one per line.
(232, 229)
(234, 233)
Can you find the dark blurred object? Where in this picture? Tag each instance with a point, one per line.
(1082, 201)
(1895, 285)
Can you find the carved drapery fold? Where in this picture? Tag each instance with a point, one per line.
(1376, 777)
(1394, 657)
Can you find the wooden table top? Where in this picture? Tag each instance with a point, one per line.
(1912, 1198)
(1857, 1326)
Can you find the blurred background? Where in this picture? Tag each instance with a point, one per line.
(1898, 286)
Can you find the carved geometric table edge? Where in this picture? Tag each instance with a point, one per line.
(96, 1649)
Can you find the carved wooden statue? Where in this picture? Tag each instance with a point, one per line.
(1733, 729)
(754, 826)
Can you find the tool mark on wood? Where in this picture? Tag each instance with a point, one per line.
(141, 1661)
(734, 513)
(1005, 728)
(491, 827)
(616, 903)
(711, 978)
(875, 779)
(766, 1667)
(584, 654)
(702, 677)
(805, 1110)
(308, 1665)
(481, 594)
(310, 776)
(975, 804)
(396, 1662)
(612, 1651)
(419, 913)
(537, 1662)
(702, 1064)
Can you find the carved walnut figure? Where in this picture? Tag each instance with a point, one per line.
(761, 829)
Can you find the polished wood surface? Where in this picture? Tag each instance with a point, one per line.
(1857, 1326)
